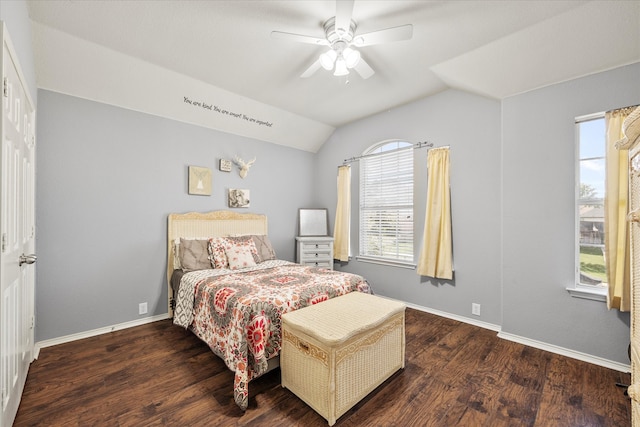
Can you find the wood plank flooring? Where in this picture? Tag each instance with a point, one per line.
(455, 375)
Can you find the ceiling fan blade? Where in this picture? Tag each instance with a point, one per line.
(344, 10)
(394, 34)
(364, 69)
(299, 38)
(311, 70)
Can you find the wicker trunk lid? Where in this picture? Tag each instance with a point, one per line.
(336, 352)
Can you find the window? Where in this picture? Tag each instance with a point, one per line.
(386, 203)
(590, 255)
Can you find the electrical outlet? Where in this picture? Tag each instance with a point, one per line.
(475, 309)
(142, 308)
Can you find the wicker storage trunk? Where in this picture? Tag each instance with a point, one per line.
(336, 352)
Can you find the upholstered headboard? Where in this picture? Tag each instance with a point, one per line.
(205, 225)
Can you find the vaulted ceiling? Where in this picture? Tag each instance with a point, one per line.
(162, 56)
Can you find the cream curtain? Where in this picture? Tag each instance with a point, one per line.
(437, 251)
(615, 216)
(343, 215)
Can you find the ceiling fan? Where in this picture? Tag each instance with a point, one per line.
(342, 40)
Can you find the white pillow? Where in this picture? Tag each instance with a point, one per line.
(240, 256)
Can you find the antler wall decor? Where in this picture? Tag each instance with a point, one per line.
(244, 167)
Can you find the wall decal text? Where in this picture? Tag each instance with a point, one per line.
(223, 111)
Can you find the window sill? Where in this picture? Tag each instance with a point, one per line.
(595, 294)
(391, 263)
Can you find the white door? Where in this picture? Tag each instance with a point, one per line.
(17, 220)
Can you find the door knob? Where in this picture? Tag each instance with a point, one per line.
(27, 259)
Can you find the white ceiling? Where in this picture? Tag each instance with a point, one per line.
(223, 51)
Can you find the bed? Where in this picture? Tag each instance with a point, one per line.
(236, 308)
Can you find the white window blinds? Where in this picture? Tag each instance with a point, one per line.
(386, 204)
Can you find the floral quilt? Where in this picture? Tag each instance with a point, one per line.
(237, 313)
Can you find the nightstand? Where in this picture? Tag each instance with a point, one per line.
(315, 251)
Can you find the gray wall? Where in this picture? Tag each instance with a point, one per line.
(538, 216)
(108, 177)
(512, 185)
(470, 125)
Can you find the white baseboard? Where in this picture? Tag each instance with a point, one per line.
(621, 367)
(81, 335)
(617, 366)
(462, 319)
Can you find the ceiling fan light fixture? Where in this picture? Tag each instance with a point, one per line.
(327, 59)
(351, 57)
(341, 67)
(343, 43)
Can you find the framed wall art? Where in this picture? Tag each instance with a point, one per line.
(225, 165)
(239, 198)
(199, 181)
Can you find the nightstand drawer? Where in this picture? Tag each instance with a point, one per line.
(318, 263)
(321, 246)
(315, 257)
(315, 251)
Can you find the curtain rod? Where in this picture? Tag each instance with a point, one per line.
(415, 146)
(630, 107)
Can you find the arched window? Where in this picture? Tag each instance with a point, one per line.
(386, 202)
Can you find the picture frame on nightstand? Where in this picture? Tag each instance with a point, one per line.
(313, 222)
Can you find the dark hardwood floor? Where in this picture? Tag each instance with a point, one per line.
(456, 375)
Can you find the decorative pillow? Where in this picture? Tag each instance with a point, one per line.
(248, 241)
(245, 241)
(263, 247)
(240, 256)
(194, 254)
(217, 252)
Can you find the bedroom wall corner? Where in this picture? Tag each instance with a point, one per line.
(539, 215)
(470, 125)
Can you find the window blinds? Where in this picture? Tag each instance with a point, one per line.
(386, 205)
